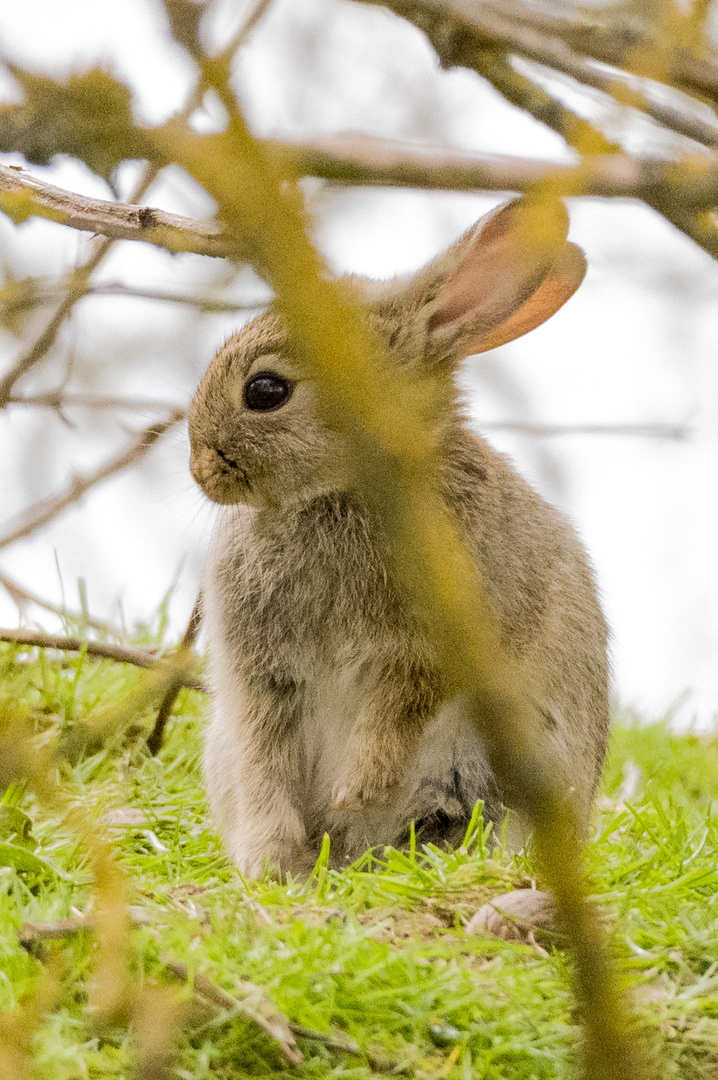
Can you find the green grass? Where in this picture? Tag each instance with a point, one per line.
(376, 953)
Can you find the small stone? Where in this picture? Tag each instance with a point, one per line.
(517, 916)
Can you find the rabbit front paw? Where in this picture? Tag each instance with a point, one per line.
(358, 790)
(259, 845)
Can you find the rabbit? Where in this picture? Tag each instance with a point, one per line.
(327, 707)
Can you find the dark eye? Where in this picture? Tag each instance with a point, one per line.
(267, 391)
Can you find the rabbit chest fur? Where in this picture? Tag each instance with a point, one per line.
(328, 712)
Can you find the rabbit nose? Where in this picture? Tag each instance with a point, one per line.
(225, 458)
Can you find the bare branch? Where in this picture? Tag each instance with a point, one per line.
(363, 160)
(520, 28)
(30, 293)
(102, 649)
(60, 400)
(513, 29)
(641, 431)
(32, 934)
(639, 49)
(79, 284)
(47, 509)
(23, 196)
(156, 736)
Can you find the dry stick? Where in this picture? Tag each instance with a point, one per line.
(35, 291)
(35, 517)
(23, 596)
(59, 400)
(156, 737)
(33, 638)
(264, 1013)
(275, 1024)
(23, 196)
(102, 649)
(363, 160)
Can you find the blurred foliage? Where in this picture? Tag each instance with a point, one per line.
(88, 117)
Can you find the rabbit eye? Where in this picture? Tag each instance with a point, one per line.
(267, 391)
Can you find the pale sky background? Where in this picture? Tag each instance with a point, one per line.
(638, 343)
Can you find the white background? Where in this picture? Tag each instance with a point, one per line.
(636, 345)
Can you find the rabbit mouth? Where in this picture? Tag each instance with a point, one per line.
(221, 477)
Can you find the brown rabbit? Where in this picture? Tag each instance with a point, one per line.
(328, 712)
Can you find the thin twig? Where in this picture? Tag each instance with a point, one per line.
(515, 32)
(14, 201)
(641, 431)
(156, 736)
(256, 1006)
(510, 26)
(60, 400)
(256, 14)
(33, 292)
(44, 511)
(142, 658)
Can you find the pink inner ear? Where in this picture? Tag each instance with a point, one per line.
(504, 263)
(559, 286)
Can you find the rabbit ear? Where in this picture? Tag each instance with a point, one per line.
(509, 274)
(563, 279)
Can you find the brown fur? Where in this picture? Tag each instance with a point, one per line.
(328, 711)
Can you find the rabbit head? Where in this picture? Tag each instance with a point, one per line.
(257, 433)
